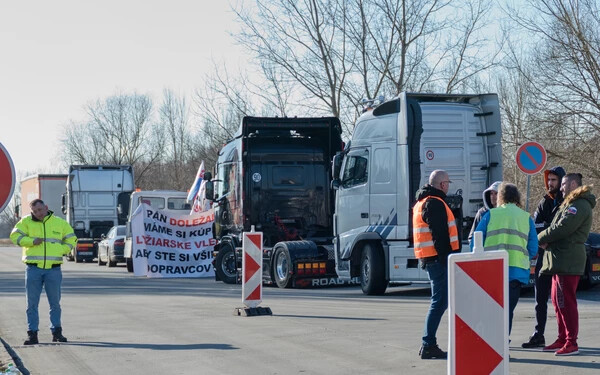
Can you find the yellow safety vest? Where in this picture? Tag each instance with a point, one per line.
(57, 235)
(508, 229)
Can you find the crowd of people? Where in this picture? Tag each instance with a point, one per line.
(556, 234)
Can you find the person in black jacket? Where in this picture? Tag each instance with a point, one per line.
(542, 218)
(490, 198)
(435, 237)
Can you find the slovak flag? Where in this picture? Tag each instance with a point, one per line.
(197, 182)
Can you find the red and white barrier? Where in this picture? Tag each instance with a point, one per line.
(252, 269)
(478, 312)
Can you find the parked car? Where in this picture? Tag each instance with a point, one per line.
(591, 275)
(110, 249)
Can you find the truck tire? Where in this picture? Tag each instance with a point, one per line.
(372, 271)
(70, 256)
(129, 264)
(77, 259)
(110, 263)
(282, 264)
(225, 266)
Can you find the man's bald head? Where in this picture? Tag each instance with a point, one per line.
(439, 179)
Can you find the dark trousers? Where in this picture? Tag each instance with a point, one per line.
(514, 292)
(543, 285)
(438, 275)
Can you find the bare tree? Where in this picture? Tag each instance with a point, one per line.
(302, 39)
(118, 130)
(562, 69)
(177, 168)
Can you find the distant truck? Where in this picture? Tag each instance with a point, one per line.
(48, 187)
(96, 199)
(275, 174)
(169, 200)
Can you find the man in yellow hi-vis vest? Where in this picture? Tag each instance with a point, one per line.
(45, 238)
(509, 228)
(435, 236)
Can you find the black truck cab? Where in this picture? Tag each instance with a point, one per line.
(276, 175)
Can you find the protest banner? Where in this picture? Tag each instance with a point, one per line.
(172, 245)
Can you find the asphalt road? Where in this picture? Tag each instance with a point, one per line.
(119, 324)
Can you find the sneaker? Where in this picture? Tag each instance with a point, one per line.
(558, 344)
(432, 351)
(568, 349)
(535, 341)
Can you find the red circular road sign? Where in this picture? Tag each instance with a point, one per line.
(7, 177)
(531, 157)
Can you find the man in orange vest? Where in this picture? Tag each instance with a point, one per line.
(435, 236)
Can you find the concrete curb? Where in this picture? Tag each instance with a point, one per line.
(8, 355)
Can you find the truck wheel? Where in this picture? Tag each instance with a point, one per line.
(110, 263)
(77, 259)
(70, 256)
(282, 264)
(225, 266)
(129, 264)
(372, 271)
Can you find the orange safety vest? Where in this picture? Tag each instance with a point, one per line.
(423, 240)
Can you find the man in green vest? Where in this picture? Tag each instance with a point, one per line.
(45, 238)
(509, 228)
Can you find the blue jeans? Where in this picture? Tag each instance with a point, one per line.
(50, 280)
(438, 275)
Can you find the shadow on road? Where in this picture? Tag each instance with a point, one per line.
(101, 344)
(323, 317)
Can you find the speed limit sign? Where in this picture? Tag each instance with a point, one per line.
(7, 177)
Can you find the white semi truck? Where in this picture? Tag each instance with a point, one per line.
(96, 199)
(393, 150)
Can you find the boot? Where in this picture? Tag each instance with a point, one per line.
(57, 335)
(32, 338)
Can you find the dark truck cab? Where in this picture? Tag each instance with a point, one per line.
(275, 175)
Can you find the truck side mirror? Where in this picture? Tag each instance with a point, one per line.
(209, 189)
(119, 209)
(207, 176)
(64, 204)
(336, 165)
(335, 184)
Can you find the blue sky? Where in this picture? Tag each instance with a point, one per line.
(59, 55)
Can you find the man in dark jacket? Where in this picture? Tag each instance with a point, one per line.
(542, 218)
(565, 257)
(435, 236)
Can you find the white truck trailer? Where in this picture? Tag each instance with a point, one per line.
(47, 187)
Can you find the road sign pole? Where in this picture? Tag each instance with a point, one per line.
(527, 196)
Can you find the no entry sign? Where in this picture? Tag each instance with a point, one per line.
(531, 157)
(7, 178)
